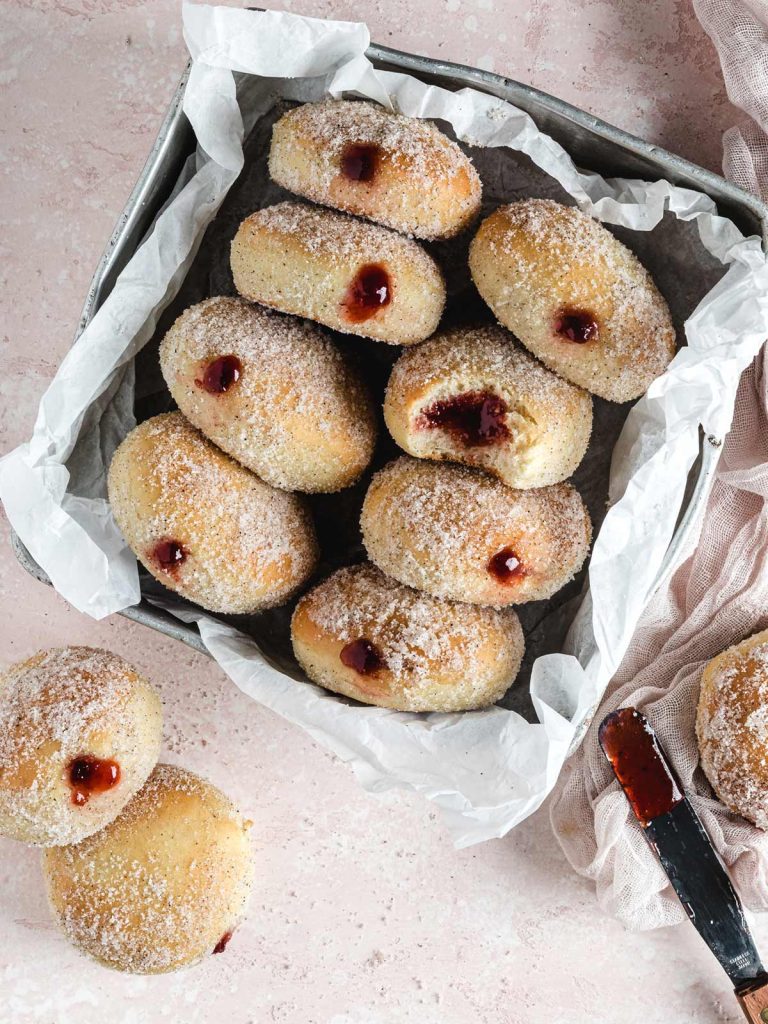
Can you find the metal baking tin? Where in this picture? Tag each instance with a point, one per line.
(591, 143)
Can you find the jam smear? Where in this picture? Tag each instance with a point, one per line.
(363, 656)
(220, 374)
(89, 775)
(506, 566)
(639, 764)
(475, 418)
(360, 161)
(576, 325)
(369, 292)
(169, 555)
(221, 945)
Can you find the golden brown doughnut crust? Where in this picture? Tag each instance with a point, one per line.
(56, 709)
(357, 156)
(163, 885)
(244, 545)
(297, 413)
(401, 648)
(455, 532)
(732, 727)
(315, 263)
(544, 267)
(519, 421)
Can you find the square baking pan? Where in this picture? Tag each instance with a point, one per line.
(591, 143)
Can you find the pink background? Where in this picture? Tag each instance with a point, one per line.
(363, 913)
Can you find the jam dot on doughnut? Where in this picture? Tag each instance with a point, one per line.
(369, 292)
(363, 656)
(220, 374)
(169, 555)
(576, 325)
(506, 566)
(89, 775)
(360, 161)
(476, 418)
(221, 945)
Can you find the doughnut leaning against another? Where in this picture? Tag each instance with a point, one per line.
(576, 297)
(362, 634)
(80, 732)
(352, 276)
(455, 532)
(163, 885)
(272, 391)
(357, 156)
(205, 526)
(473, 396)
(732, 727)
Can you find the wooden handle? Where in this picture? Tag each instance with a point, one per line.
(754, 1002)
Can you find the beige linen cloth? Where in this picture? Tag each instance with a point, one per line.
(718, 596)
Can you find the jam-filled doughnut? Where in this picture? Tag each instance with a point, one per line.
(355, 277)
(161, 887)
(473, 396)
(457, 533)
(357, 156)
(80, 732)
(573, 295)
(362, 634)
(272, 391)
(205, 526)
(732, 727)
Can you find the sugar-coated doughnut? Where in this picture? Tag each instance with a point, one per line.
(455, 532)
(272, 391)
(204, 525)
(732, 727)
(362, 634)
(357, 156)
(162, 886)
(573, 295)
(473, 396)
(355, 277)
(80, 732)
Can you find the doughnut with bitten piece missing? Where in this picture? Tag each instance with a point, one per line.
(357, 156)
(272, 391)
(732, 727)
(362, 634)
(455, 532)
(205, 526)
(352, 276)
(161, 887)
(576, 297)
(473, 396)
(80, 732)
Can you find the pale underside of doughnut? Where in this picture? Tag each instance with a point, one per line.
(358, 157)
(472, 395)
(349, 275)
(366, 636)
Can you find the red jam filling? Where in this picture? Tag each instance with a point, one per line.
(221, 945)
(631, 746)
(220, 374)
(576, 325)
(363, 656)
(360, 161)
(476, 418)
(89, 775)
(169, 555)
(506, 566)
(369, 292)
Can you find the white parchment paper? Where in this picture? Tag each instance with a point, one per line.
(486, 770)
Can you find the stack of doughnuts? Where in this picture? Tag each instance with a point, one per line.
(147, 866)
(478, 515)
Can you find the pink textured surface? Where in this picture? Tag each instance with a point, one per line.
(363, 913)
